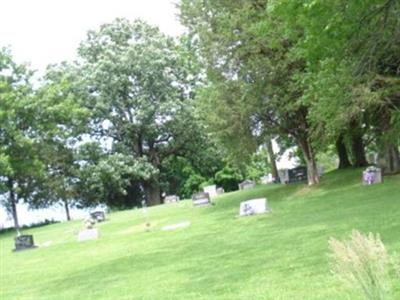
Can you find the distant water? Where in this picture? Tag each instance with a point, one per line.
(28, 216)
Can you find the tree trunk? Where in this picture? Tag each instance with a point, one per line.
(272, 160)
(344, 161)
(389, 160)
(13, 203)
(357, 147)
(67, 213)
(309, 156)
(152, 193)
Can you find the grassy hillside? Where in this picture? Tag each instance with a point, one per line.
(281, 256)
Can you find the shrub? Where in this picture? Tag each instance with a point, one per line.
(364, 264)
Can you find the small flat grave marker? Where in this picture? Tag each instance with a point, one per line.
(88, 234)
(201, 199)
(253, 207)
(176, 226)
(24, 242)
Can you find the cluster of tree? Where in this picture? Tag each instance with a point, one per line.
(311, 73)
(139, 114)
(116, 127)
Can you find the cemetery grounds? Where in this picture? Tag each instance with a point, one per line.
(282, 255)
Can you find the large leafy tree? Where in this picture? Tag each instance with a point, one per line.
(138, 84)
(352, 79)
(63, 121)
(253, 73)
(21, 170)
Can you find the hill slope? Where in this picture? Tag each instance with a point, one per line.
(281, 255)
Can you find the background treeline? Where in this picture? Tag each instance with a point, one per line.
(139, 114)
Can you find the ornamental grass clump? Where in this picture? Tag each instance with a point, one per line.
(364, 264)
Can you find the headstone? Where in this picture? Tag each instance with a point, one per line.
(253, 207)
(88, 234)
(24, 242)
(247, 184)
(220, 191)
(171, 199)
(211, 190)
(201, 199)
(297, 174)
(99, 216)
(372, 175)
(176, 226)
(266, 179)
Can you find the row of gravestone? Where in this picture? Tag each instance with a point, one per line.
(371, 175)
(25, 242)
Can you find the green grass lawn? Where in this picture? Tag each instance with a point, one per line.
(281, 255)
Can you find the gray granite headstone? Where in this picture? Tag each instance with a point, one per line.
(24, 242)
(297, 174)
(247, 184)
(99, 216)
(201, 199)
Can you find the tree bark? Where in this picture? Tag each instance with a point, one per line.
(389, 160)
(272, 159)
(13, 203)
(344, 161)
(358, 151)
(309, 156)
(67, 213)
(152, 192)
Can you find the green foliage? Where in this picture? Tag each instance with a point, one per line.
(258, 166)
(228, 178)
(139, 84)
(21, 170)
(192, 184)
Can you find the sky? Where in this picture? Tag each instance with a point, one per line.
(41, 32)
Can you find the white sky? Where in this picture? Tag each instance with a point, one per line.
(49, 31)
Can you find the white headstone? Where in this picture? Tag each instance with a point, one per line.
(211, 190)
(88, 234)
(171, 199)
(267, 179)
(253, 207)
(176, 226)
(201, 199)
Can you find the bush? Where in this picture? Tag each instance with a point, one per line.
(363, 263)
